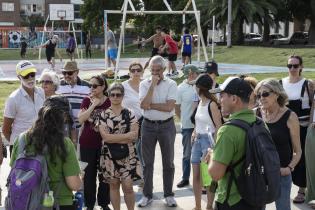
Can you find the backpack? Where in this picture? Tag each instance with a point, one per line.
(192, 117)
(27, 182)
(259, 180)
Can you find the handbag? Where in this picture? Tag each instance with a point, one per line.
(120, 151)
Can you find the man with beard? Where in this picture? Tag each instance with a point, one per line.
(23, 104)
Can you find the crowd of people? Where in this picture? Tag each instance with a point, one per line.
(114, 129)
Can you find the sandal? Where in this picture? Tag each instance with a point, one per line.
(311, 204)
(299, 198)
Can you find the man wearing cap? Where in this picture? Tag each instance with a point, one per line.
(157, 98)
(51, 46)
(74, 89)
(23, 104)
(184, 109)
(230, 143)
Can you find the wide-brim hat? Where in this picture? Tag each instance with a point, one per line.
(70, 66)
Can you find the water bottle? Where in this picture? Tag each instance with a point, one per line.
(79, 200)
(48, 202)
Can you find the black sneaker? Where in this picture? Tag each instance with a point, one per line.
(183, 183)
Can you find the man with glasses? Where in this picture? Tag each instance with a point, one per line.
(74, 89)
(23, 104)
(157, 98)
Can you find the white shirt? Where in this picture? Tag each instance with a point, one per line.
(293, 90)
(204, 124)
(131, 99)
(20, 107)
(185, 93)
(166, 90)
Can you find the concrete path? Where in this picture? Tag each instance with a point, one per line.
(95, 66)
(184, 196)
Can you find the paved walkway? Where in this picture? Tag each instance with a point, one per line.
(184, 196)
(94, 66)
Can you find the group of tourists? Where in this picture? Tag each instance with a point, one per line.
(115, 129)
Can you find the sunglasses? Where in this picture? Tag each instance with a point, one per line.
(293, 65)
(264, 95)
(94, 86)
(70, 73)
(135, 70)
(45, 82)
(29, 75)
(117, 95)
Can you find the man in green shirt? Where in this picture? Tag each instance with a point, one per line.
(230, 143)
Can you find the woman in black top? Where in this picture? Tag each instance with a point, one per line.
(284, 128)
(51, 46)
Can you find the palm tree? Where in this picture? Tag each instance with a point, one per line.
(248, 11)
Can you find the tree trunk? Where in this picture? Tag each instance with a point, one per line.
(266, 32)
(311, 33)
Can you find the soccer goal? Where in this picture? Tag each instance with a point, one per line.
(124, 11)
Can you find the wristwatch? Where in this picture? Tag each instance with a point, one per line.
(291, 168)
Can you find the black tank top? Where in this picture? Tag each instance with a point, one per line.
(50, 48)
(281, 136)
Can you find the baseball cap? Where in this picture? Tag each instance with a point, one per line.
(23, 68)
(70, 66)
(211, 67)
(204, 81)
(191, 68)
(234, 86)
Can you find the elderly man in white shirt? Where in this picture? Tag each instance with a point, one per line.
(23, 104)
(158, 96)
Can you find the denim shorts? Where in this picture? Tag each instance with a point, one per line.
(112, 53)
(200, 147)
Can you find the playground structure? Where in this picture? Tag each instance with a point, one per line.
(124, 11)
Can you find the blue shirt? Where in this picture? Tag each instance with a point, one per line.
(187, 43)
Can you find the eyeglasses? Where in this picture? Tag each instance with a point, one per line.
(136, 70)
(94, 86)
(117, 95)
(45, 82)
(29, 75)
(293, 65)
(263, 94)
(70, 73)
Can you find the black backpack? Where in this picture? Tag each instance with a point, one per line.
(259, 180)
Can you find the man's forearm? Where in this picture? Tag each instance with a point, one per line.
(162, 107)
(147, 100)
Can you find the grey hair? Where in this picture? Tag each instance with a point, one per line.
(158, 60)
(52, 75)
(274, 86)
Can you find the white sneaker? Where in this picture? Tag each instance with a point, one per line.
(144, 201)
(170, 201)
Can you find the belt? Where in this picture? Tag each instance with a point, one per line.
(158, 121)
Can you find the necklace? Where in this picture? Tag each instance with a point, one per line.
(269, 120)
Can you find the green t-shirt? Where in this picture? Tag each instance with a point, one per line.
(58, 171)
(230, 147)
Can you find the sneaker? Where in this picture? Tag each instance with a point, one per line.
(144, 201)
(183, 183)
(170, 201)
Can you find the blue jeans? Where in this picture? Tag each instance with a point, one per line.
(200, 147)
(186, 142)
(283, 202)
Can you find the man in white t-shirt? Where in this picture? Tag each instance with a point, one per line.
(157, 98)
(184, 109)
(23, 104)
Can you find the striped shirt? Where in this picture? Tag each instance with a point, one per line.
(75, 95)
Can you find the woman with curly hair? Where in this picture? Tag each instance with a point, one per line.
(48, 132)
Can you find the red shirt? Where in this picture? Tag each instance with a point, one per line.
(172, 45)
(89, 137)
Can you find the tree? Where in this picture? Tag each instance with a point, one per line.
(248, 11)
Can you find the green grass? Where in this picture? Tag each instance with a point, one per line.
(7, 87)
(265, 56)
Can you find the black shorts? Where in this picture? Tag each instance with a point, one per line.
(184, 54)
(172, 57)
(49, 56)
(69, 50)
(155, 51)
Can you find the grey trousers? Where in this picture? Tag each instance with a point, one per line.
(163, 133)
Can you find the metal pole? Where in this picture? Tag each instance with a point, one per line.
(42, 41)
(150, 12)
(229, 25)
(75, 39)
(121, 37)
(167, 5)
(197, 15)
(198, 48)
(105, 39)
(213, 28)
